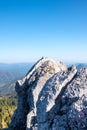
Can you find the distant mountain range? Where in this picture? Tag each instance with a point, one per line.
(9, 74)
(81, 65)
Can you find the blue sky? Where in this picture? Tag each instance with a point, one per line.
(30, 29)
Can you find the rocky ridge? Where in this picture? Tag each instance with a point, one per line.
(51, 97)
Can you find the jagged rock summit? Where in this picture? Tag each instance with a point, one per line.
(51, 97)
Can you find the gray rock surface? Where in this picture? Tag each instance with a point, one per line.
(51, 97)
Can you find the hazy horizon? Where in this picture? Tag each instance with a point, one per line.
(35, 60)
(50, 28)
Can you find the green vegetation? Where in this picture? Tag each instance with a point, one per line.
(7, 107)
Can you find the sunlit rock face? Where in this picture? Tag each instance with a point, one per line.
(51, 97)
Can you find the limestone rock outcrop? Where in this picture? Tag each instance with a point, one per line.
(51, 97)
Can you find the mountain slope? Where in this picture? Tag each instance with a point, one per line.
(9, 74)
(51, 97)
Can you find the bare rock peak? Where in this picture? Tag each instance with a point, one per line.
(51, 97)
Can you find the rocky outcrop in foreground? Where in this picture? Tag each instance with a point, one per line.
(51, 97)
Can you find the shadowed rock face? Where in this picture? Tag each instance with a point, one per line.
(51, 97)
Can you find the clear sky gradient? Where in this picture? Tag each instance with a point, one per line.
(30, 29)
